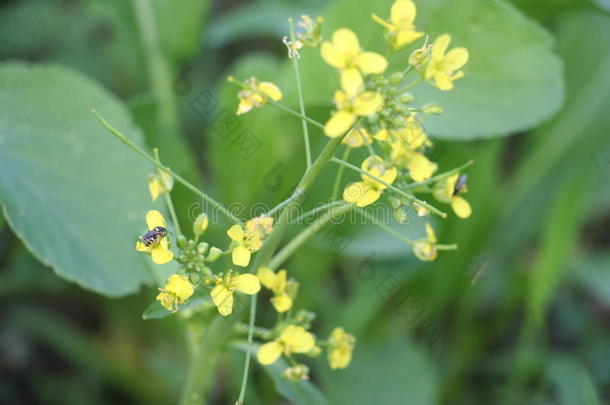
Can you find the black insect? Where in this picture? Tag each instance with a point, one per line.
(460, 184)
(153, 236)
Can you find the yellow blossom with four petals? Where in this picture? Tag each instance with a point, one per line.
(256, 94)
(446, 192)
(367, 191)
(249, 239)
(340, 347)
(292, 339)
(159, 252)
(400, 28)
(222, 294)
(443, 67)
(278, 284)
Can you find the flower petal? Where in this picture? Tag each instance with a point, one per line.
(154, 188)
(160, 254)
(456, 58)
(241, 256)
(282, 302)
(355, 191)
(270, 90)
(332, 55)
(236, 232)
(246, 283)
(346, 42)
(180, 286)
(154, 219)
(267, 277)
(406, 37)
(339, 123)
(403, 12)
(367, 103)
(439, 47)
(430, 233)
(420, 168)
(461, 207)
(351, 82)
(369, 197)
(140, 247)
(223, 299)
(269, 353)
(371, 62)
(297, 339)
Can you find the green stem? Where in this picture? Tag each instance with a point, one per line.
(284, 204)
(295, 64)
(316, 210)
(411, 85)
(385, 227)
(244, 378)
(295, 113)
(368, 144)
(339, 176)
(168, 200)
(178, 178)
(439, 177)
(305, 235)
(409, 197)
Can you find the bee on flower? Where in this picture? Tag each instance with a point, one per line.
(255, 94)
(448, 191)
(222, 293)
(367, 191)
(154, 241)
(400, 29)
(176, 291)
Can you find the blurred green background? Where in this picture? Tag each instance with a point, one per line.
(520, 314)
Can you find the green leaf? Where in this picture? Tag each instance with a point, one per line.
(75, 195)
(512, 80)
(572, 382)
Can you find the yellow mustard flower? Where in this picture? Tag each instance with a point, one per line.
(419, 166)
(176, 291)
(448, 192)
(292, 339)
(249, 239)
(400, 28)
(356, 138)
(443, 67)
(222, 294)
(368, 190)
(352, 101)
(413, 134)
(343, 52)
(425, 249)
(158, 249)
(160, 184)
(340, 347)
(277, 283)
(256, 94)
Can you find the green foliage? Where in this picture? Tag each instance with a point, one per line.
(66, 186)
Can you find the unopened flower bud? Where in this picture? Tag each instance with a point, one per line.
(202, 248)
(396, 78)
(214, 254)
(194, 278)
(200, 224)
(406, 97)
(297, 373)
(182, 242)
(432, 109)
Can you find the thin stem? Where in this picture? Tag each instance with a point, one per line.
(168, 200)
(439, 177)
(295, 113)
(178, 178)
(409, 197)
(316, 210)
(412, 84)
(305, 234)
(339, 176)
(244, 379)
(296, 195)
(385, 227)
(368, 144)
(295, 64)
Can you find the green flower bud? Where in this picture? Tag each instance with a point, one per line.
(202, 248)
(296, 373)
(190, 245)
(396, 78)
(406, 97)
(432, 108)
(200, 224)
(182, 241)
(214, 254)
(194, 278)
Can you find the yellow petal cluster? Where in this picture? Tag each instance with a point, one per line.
(278, 284)
(249, 239)
(443, 68)
(446, 192)
(176, 291)
(222, 294)
(159, 252)
(340, 347)
(256, 94)
(367, 191)
(292, 339)
(400, 28)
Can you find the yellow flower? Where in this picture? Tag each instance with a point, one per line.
(343, 52)
(443, 68)
(222, 294)
(256, 94)
(200, 224)
(160, 184)
(448, 192)
(340, 348)
(368, 191)
(401, 30)
(249, 239)
(413, 134)
(159, 251)
(425, 249)
(277, 283)
(351, 102)
(292, 339)
(356, 138)
(419, 166)
(177, 291)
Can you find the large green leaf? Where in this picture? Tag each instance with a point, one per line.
(513, 80)
(70, 191)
